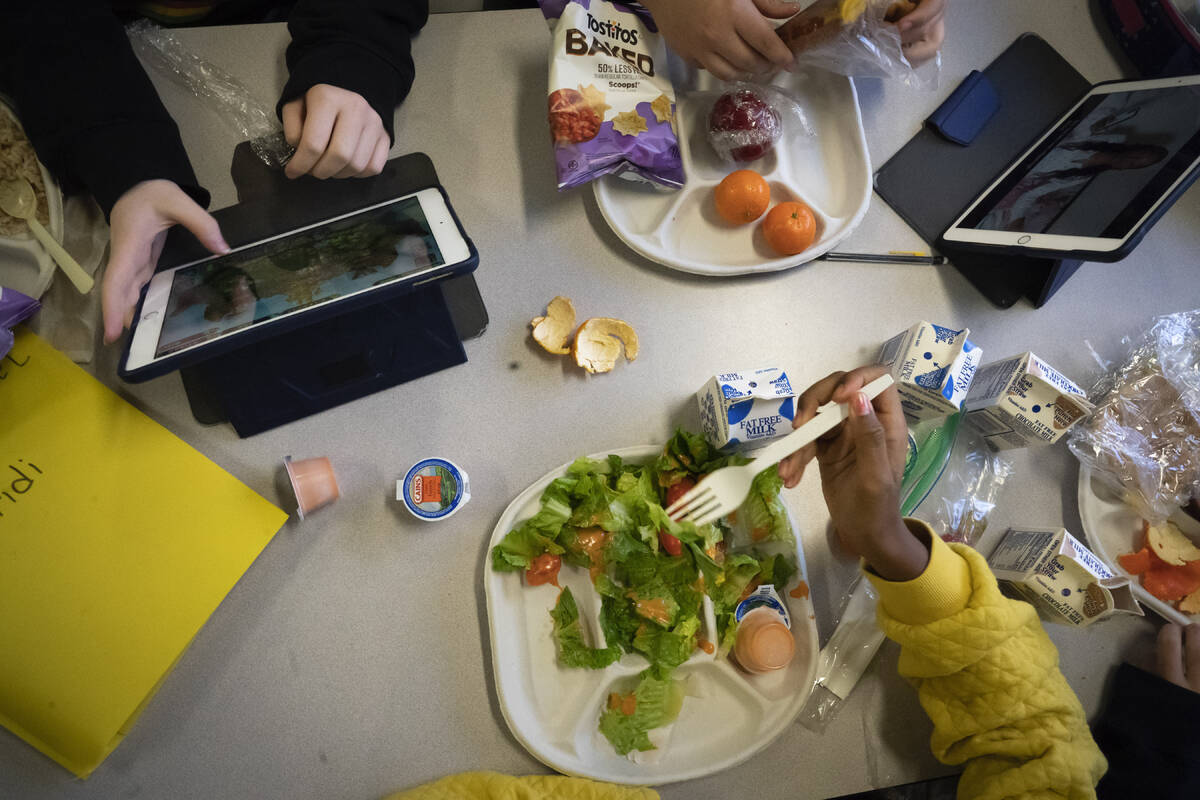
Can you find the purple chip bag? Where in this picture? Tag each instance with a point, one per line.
(611, 103)
(14, 308)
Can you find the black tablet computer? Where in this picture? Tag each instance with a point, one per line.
(1093, 184)
(203, 308)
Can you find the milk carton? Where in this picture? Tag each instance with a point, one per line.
(1064, 580)
(1023, 401)
(933, 367)
(739, 410)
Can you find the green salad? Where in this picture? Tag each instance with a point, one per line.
(607, 516)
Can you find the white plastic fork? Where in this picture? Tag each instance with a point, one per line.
(723, 491)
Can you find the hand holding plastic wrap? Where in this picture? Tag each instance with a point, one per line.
(220, 91)
(857, 38)
(1143, 440)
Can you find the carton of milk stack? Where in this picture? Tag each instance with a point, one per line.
(1064, 580)
(739, 410)
(933, 367)
(1023, 401)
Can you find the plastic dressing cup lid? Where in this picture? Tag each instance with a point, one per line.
(434, 489)
(771, 646)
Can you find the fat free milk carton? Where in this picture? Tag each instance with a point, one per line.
(1022, 401)
(933, 367)
(1064, 580)
(740, 410)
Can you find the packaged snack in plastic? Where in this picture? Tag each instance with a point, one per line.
(1143, 439)
(611, 102)
(858, 38)
(14, 308)
(747, 120)
(221, 92)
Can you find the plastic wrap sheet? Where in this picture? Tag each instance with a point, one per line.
(1143, 439)
(865, 47)
(219, 91)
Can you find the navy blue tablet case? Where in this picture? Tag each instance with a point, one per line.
(307, 366)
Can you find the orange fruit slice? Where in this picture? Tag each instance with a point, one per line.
(790, 228)
(742, 196)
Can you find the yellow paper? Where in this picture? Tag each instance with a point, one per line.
(117, 542)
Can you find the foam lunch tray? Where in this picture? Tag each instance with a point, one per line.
(830, 170)
(1112, 529)
(727, 715)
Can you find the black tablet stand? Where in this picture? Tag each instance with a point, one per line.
(333, 361)
(930, 181)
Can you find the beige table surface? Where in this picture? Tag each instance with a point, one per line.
(353, 658)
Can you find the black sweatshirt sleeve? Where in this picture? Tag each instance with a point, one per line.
(364, 46)
(85, 102)
(1150, 733)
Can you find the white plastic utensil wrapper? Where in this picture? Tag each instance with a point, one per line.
(845, 657)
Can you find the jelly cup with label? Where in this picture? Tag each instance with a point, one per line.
(313, 482)
(433, 489)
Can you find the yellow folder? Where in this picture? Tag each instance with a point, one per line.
(117, 542)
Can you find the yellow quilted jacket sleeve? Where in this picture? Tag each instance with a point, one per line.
(987, 674)
(494, 786)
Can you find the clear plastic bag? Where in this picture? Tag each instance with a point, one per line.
(866, 47)
(747, 120)
(221, 92)
(1143, 439)
(958, 507)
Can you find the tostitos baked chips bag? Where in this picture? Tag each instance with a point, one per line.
(611, 105)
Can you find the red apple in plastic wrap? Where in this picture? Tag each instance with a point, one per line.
(743, 126)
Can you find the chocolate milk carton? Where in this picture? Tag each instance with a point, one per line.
(739, 410)
(933, 367)
(1023, 401)
(1064, 580)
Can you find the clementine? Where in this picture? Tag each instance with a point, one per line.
(742, 196)
(790, 228)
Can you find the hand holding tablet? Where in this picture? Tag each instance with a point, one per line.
(196, 310)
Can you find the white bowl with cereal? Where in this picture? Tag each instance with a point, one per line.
(24, 264)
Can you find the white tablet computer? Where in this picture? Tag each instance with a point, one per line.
(243, 294)
(1098, 179)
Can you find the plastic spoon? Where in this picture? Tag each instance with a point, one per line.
(18, 200)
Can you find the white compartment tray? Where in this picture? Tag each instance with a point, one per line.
(829, 170)
(727, 717)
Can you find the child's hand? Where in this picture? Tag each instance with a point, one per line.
(336, 134)
(1179, 655)
(730, 38)
(922, 30)
(862, 463)
(139, 222)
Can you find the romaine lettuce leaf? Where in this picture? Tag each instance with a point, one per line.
(568, 636)
(766, 517)
(657, 701)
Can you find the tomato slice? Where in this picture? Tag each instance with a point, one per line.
(543, 569)
(679, 489)
(670, 543)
